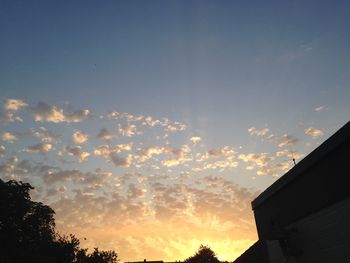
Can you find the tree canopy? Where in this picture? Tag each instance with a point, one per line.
(203, 255)
(27, 232)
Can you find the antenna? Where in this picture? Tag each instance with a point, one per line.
(293, 158)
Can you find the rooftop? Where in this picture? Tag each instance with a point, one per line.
(318, 154)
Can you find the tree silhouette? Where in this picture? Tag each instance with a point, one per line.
(102, 257)
(25, 226)
(27, 232)
(203, 255)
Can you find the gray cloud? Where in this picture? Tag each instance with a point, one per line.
(45, 112)
(39, 148)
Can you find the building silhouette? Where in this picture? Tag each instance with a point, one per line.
(305, 215)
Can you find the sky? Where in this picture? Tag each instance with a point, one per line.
(150, 126)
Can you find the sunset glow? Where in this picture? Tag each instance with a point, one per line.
(150, 126)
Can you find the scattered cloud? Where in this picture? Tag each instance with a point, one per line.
(8, 137)
(123, 147)
(62, 176)
(289, 153)
(78, 116)
(154, 181)
(45, 112)
(134, 192)
(44, 135)
(148, 152)
(255, 159)
(2, 150)
(260, 133)
(177, 156)
(102, 150)
(287, 140)
(118, 160)
(313, 132)
(77, 151)
(14, 104)
(104, 134)
(79, 137)
(319, 108)
(195, 139)
(128, 130)
(8, 116)
(39, 148)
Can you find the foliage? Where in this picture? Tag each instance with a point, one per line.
(203, 255)
(102, 257)
(27, 232)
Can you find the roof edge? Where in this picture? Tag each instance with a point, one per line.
(310, 160)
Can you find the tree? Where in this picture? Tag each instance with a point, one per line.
(103, 257)
(65, 248)
(203, 255)
(25, 226)
(27, 232)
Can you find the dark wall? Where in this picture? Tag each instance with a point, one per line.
(324, 236)
(321, 185)
(257, 253)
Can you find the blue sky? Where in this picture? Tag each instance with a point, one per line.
(244, 87)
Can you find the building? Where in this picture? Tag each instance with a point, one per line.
(305, 215)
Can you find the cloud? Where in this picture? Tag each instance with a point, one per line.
(254, 131)
(77, 152)
(216, 159)
(123, 147)
(313, 132)
(2, 150)
(287, 140)
(289, 153)
(221, 165)
(148, 152)
(39, 148)
(14, 104)
(45, 112)
(178, 156)
(9, 117)
(265, 171)
(79, 137)
(104, 135)
(8, 168)
(175, 127)
(195, 139)
(152, 122)
(319, 108)
(119, 160)
(61, 176)
(44, 135)
(128, 130)
(8, 137)
(218, 152)
(78, 116)
(112, 154)
(274, 169)
(260, 160)
(102, 150)
(134, 192)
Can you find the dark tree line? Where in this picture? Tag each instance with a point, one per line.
(27, 232)
(203, 255)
